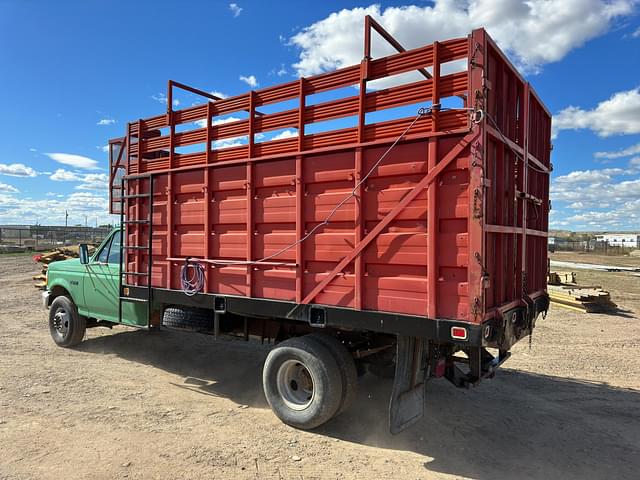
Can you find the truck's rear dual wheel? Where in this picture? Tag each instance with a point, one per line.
(66, 326)
(346, 365)
(192, 319)
(304, 383)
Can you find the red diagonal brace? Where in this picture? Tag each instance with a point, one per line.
(430, 177)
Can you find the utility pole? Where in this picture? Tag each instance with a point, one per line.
(66, 224)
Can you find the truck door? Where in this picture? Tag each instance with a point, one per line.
(100, 293)
(103, 295)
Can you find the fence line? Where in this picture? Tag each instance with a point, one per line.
(38, 237)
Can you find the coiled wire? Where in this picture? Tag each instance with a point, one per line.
(194, 283)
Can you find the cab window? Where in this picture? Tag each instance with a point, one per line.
(114, 249)
(104, 253)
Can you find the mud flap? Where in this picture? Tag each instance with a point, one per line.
(406, 406)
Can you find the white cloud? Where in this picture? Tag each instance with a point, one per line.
(236, 10)
(106, 121)
(636, 34)
(51, 209)
(250, 80)
(62, 175)
(77, 161)
(533, 32)
(162, 98)
(33, 150)
(5, 187)
(225, 142)
(218, 94)
(619, 115)
(94, 181)
(282, 71)
(218, 121)
(17, 170)
(89, 181)
(104, 148)
(626, 152)
(590, 176)
(285, 134)
(230, 142)
(597, 199)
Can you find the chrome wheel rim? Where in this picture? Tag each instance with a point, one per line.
(61, 321)
(295, 385)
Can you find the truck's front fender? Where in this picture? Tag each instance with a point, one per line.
(68, 286)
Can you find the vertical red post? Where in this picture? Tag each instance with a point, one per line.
(367, 37)
(300, 195)
(359, 230)
(301, 109)
(432, 207)
(138, 204)
(358, 172)
(169, 96)
(476, 217)
(169, 192)
(250, 226)
(299, 230)
(525, 185)
(207, 201)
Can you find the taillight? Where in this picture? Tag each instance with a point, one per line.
(459, 333)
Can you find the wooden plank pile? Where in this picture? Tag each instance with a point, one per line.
(63, 253)
(565, 292)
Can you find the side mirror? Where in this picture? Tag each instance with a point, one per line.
(84, 254)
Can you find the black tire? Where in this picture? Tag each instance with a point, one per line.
(347, 366)
(192, 319)
(302, 382)
(66, 326)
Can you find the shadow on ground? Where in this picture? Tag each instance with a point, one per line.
(519, 425)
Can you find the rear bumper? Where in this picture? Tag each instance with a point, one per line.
(45, 299)
(513, 324)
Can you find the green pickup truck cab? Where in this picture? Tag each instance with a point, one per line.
(84, 292)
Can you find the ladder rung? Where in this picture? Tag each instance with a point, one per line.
(136, 221)
(132, 299)
(136, 247)
(139, 274)
(137, 195)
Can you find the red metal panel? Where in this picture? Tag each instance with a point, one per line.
(447, 225)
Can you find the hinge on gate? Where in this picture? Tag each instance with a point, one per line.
(476, 307)
(484, 278)
(477, 203)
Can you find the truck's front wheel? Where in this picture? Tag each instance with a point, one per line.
(302, 382)
(67, 327)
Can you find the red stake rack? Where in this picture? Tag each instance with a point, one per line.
(451, 224)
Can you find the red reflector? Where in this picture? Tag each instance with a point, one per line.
(459, 333)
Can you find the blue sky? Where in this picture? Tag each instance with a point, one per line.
(73, 73)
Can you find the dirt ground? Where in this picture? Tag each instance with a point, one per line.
(133, 404)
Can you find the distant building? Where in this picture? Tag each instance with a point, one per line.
(628, 240)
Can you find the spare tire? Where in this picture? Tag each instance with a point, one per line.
(192, 319)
